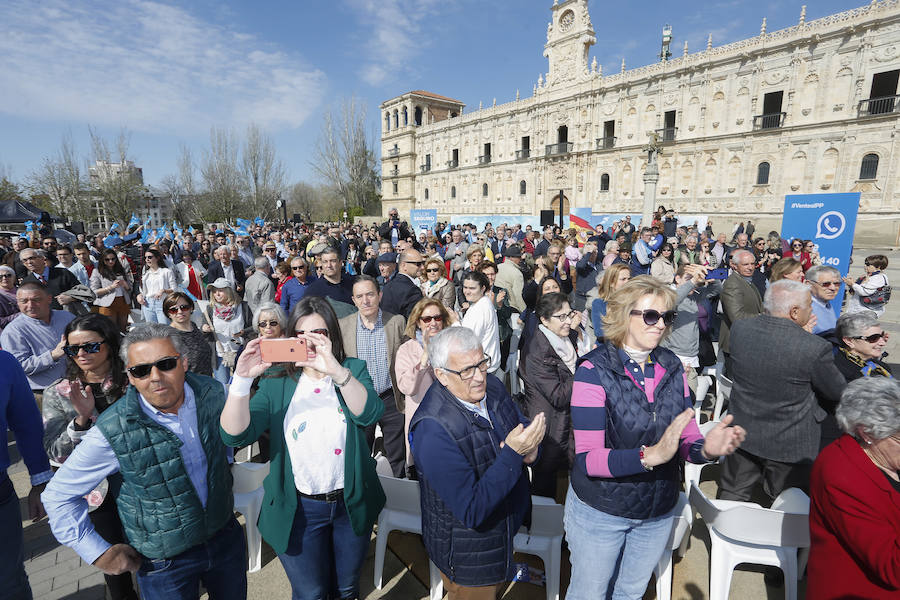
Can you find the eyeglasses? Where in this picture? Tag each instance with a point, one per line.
(418, 263)
(164, 364)
(797, 246)
(272, 323)
(5, 275)
(652, 317)
(89, 348)
(871, 338)
(316, 331)
(565, 316)
(433, 270)
(828, 284)
(469, 372)
(300, 268)
(149, 256)
(430, 318)
(181, 307)
(271, 249)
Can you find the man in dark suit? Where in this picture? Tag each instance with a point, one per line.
(785, 383)
(57, 281)
(402, 292)
(740, 299)
(223, 266)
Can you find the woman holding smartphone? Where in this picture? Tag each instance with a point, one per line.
(322, 493)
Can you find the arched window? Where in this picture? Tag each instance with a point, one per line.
(522, 187)
(417, 116)
(604, 182)
(484, 190)
(762, 174)
(396, 120)
(869, 167)
(426, 193)
(405, 117)
(453, 191)
(387, 121)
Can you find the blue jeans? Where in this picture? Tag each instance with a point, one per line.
(324, 557)
(12, 551)
(221, 373)
(153, 311)
(219, 563)
(612, 557)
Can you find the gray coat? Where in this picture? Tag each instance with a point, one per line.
(782, 376)
(740, 300)
(258, 289)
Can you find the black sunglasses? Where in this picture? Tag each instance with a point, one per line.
(163, 364)
(870, 338)
(430, 318)
(89, 348)
(652, 317)
(433, 270)
(300, 268)
(179, 308)
(271, 323)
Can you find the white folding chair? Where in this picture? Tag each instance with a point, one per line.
(512, 361)
(692, 471)
(745, 532)
(678, 540)
(723, 393)
(248, 497)
(544, 540)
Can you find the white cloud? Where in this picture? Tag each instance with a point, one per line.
(395, 34)
(145, 65)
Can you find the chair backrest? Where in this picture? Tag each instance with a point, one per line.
(684, 517)
(248, 476)
(402, 494)
(749, 522)
(382, 465)
(546, 517)
(725, 384)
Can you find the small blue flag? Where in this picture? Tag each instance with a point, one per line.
(245, 223)
(191, 229)
(147, 222)
(259, 221)
(114, 227)
(111, 240)
(29, 225)
(145, 237)
(134, 222)
(242, 231)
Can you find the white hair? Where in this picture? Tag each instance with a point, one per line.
(452, 339)
(784, 295)
(870, 405)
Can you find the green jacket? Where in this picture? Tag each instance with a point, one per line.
(363, 495)
(160, 510)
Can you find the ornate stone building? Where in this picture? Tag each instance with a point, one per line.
(808, 109)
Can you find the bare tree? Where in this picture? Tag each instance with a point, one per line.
(179, 187)
(114, 180)
(61, 181)
(344, 155)
(263, 172)
(223, 178)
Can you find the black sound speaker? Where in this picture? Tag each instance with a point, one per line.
(547, 217)
(77, 227)
(298, 218)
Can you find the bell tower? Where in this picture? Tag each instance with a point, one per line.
(570, 36)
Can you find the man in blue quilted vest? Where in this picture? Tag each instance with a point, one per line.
(160, 449)
(470, 445)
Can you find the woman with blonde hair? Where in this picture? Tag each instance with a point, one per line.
(786, 268)
(613, 277)
(436, 285)
(232, 322)
(414, 375)
(633, 425)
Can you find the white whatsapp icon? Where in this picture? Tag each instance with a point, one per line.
(830, 225)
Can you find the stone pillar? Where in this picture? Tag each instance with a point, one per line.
(651, 177)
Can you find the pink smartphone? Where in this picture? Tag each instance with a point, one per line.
(281, 350)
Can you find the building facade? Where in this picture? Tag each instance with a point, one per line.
(808, 109)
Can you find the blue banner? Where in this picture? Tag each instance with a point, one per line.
(423, 219)
(829, 221)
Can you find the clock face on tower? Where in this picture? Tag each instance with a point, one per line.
(566, 21)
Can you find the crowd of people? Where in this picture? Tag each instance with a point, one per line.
(134, 365)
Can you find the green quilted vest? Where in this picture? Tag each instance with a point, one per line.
(159, 507)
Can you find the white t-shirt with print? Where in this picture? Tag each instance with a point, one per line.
(315, 431)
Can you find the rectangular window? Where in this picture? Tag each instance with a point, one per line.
(427, 162)
(669, 126)
(882, 97)
(396, 188)
(772, 115)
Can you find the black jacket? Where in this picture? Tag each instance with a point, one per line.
(215, 270)
(59, 281)
(384, 232)
(399, 295)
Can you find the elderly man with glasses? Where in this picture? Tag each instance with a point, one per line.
(471, 444)
(824, 283)
(175, 500)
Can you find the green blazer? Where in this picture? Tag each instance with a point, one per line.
(363, 495)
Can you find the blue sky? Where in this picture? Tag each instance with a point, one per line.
(169, 71)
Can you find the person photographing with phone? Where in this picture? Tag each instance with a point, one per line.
(322, 493)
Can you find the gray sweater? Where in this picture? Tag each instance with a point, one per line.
(684, 339)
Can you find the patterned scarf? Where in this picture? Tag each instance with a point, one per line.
(224, 313)
(867, 367)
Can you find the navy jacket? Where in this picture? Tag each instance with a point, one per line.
(399, 295)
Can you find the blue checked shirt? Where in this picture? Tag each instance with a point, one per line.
(371, 346)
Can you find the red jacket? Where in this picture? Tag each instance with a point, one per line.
(854, 523)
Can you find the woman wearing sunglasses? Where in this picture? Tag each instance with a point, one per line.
(112, 285)
(862, 342)
(322, 493)
(9, 307)
(269, 321)
(157, 281)
(95, 378)
(436, 284)
(548, 371)
(798, 253)
(179, 307)
(633, 424)
(414, 375)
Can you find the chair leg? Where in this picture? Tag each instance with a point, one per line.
(802, 557)
(254, 538)
(663, 572)
(435, 583)
(721, 567)
(381, 539)
(552, 568)
(789, 567)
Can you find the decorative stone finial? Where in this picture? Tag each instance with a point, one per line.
(762, 28)
(534, 91)
(623, 64)
(594, 65)
(480, 106)
(709, 42)
(517, 94)
(685, 52)
(495, 102)
(541, 80)
(802, 16)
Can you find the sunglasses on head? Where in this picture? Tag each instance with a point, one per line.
(163, 364)
(652, 317)
(181, 307)
(89, 348)
(316, 331)
(870, 338)
(430, 318)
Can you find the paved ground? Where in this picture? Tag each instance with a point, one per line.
(57, 572)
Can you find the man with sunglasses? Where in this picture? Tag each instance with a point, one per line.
(175, 499)
(780, 397)
(824, 282)
(471, 444)
(402, 292)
